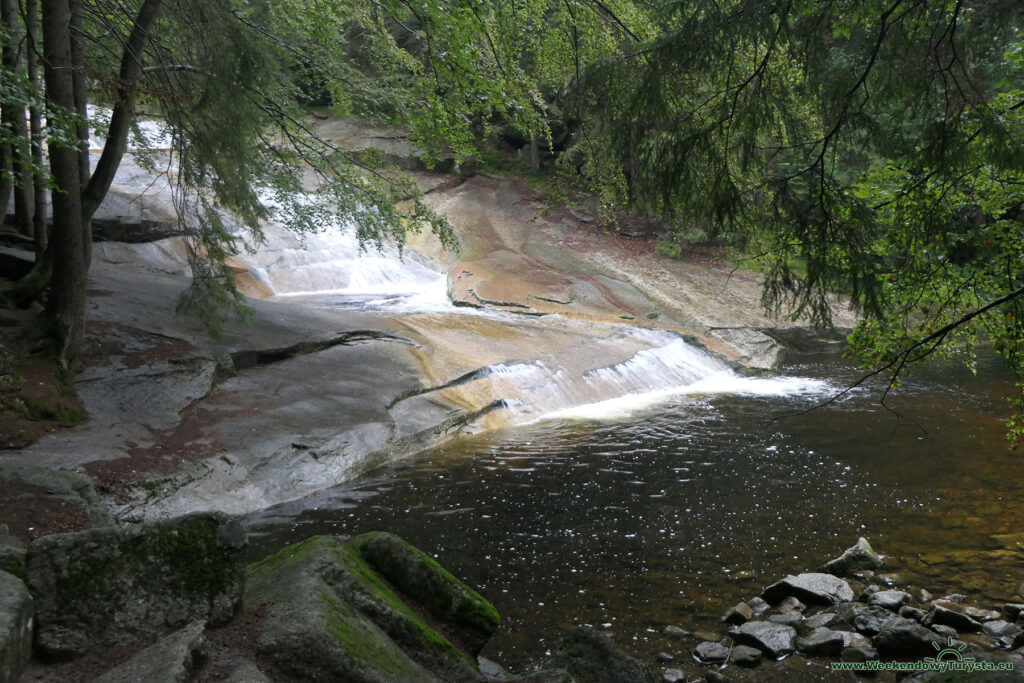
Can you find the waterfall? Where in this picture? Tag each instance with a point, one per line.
(668, 367)
(330, 269)
(605, 370)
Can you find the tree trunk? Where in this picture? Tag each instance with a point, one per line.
(124, 109)
(82, 109)
(14, 121)
(7, 56)
(40, 230)
(65, 308)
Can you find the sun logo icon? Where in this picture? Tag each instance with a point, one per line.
(949, 653)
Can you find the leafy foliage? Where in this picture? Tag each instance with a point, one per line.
(874, 148)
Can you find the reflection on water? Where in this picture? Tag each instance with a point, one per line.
(674, 514)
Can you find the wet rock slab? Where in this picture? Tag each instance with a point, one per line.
(710, 652)
(860, 556)
(891, 599)
(904, 638)
(820, 642)
(873, 619)
(950, 614)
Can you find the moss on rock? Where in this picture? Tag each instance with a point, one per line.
(330, 600)
(441, 594)
(109, 586)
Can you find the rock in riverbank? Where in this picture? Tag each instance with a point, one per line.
(15, 627)
(886, 622)
(591, 657)
(333, 613)
(109, 586)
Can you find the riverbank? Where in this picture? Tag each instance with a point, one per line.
(174, 601)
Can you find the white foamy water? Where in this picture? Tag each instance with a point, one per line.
(331, 268)
(155, 135)
(651, 376)
(722, 383)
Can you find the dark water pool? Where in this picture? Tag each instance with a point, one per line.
(673, 515)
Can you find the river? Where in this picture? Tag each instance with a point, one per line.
(671, 513)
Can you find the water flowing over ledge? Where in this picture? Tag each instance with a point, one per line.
(372, 361)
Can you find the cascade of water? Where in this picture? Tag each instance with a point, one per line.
(668, 367)
(328, 266)
(608, 376)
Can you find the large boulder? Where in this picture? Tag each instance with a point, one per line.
(856, 557)
(592, 657)
(811, 588)
(358, 612)
(15, 627)
(109, 586)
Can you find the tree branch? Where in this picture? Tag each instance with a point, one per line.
(124, 109)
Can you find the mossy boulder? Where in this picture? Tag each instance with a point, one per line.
(109, 586)
(331, 614)
(471, 618)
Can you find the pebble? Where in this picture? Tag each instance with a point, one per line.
(672, 676)
(710, 652)
(677, 633)
(740, 613)
(820, 619)
(758, 605)
(744, 655)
